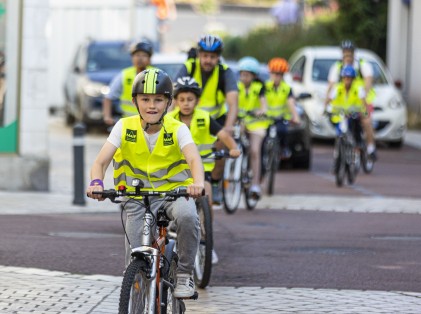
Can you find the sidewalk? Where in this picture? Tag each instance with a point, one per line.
(29, 290)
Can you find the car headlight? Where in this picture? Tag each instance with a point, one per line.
(395, 103)
(96, 89)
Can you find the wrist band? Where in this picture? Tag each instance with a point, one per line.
(97, 182)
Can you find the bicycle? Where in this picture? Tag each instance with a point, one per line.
(346, 157)
(238, 174)
(203, 262)
(271, 161)
(148, 281)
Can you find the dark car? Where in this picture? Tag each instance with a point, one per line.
(94, 66)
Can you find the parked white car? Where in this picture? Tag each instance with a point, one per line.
(309, 69)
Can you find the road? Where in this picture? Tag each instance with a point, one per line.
(274, 247)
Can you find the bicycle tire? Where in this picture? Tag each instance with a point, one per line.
(274, 164)
(340, 163)
(203, 261)
(134, 294)
(169, 304)
(366, 161)
(231, 185)
(250, 200)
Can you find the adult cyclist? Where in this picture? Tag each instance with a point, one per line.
(219, 93)
(364, 74)
(121, 85)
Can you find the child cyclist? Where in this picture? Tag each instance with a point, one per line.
(251, 97)
(205, 130)
(158, 150)
(281, 102)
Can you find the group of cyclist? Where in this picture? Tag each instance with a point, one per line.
(166, 129)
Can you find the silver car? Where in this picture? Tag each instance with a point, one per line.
(309, 69)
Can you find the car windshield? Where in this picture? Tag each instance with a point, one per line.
(170, 68)
(108, 57)
(321, 69)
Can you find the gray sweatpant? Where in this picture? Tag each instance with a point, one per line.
(184, 214)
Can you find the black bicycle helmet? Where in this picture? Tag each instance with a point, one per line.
(187, 84)
(211, 43)
(142, 46)
(152, 81)
(347, 44)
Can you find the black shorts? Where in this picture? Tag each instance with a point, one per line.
(221, 120)
(208, 177)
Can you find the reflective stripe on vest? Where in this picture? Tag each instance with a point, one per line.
(200, 130)
(212, 99)
(346, 100)
(250, 101)
(162, 169)
(277, 99)
(371, 95)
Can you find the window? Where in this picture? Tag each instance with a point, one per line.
(321, 68)
(297, 69)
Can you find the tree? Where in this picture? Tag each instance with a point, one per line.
(365, 22)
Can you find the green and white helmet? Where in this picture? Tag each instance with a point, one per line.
(152, 81)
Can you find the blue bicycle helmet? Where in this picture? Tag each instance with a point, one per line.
(348, 45)
(348, 71)
(211, 43)
(249, 64)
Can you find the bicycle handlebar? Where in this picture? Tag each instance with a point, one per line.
(112, 194)
(218, 154)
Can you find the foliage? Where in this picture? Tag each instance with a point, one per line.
(365, 22)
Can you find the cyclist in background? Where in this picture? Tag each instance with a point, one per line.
(364, 74)
(281, 102)
(121, 85)
(349, 92)
(159, 151)
(251, 97)
(219, 93)
(205, 130)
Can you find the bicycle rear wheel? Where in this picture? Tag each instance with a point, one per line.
(170, 304)
(134, 294)
(203, 262)
(247, 175)
(366, 161)
(231, 185)
(340, 162)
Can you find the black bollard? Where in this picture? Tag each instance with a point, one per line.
(78, 163)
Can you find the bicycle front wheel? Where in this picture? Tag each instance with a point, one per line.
(273, 167)
(340, 162)
(247, 176)
(366, 161)
(203, 262)
(231, 185)
(134, 294)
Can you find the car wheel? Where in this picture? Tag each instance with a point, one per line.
(397, 144)
(304, 162)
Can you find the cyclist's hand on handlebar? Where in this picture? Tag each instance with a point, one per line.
(260, 113)
(95, 188)
(295, 119)
(195, 190)
(234, 153)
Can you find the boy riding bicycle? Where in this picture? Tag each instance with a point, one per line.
(281, 102)
(205, 130)
(349, 96)
(160, 152)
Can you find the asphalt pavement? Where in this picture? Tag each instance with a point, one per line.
(30, 290)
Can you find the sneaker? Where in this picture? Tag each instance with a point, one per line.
(215, 258)
(255, 191)
(216, 194)
(185, 286)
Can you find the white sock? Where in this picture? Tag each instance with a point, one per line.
(371, 148)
